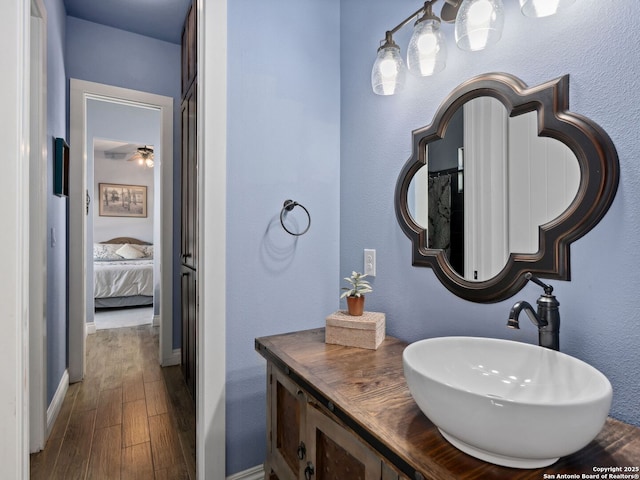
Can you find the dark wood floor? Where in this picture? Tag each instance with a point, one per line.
(128, 419)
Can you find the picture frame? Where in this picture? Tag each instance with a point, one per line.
(60, 167)
(119, 200)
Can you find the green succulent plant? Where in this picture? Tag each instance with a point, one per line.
(358, 286)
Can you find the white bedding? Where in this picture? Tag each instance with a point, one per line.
(123, 278)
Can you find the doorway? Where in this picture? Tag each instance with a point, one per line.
(123, 269)
(82, 93)
(211, 413)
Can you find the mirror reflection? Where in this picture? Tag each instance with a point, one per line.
(488, 185)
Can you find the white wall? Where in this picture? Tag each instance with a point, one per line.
(107, 170)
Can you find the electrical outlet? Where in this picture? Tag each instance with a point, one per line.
(370, 262)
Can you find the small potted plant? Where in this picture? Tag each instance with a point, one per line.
(358, 286)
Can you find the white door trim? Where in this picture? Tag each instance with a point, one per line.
(80, 92)
(38, 229)
(15, 20)
(212, 207)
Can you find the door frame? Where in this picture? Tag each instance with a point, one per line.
(80, 92)
(212, 218)
(15, 30)
(38, 428)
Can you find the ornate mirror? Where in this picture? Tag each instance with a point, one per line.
(500, 184)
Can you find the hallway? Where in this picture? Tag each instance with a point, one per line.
(128, 419)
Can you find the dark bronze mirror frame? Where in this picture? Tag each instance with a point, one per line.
(599, 173)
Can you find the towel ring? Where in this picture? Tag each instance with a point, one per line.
(288, 206)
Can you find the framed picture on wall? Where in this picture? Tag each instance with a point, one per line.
(122, 200)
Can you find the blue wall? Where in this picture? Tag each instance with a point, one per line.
(102, 54)
(599, 307)
(56, 206)
(283, 142)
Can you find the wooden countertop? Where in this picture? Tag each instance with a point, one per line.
(367, 391)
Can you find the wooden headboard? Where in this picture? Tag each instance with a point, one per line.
(130, 240)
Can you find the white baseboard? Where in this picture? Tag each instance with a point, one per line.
(91, 328)
(56, 403)
(255, 473)
(174, 359)
(156, 321)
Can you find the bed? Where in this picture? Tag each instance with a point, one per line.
(123, 273)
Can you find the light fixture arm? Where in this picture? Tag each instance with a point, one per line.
(409, 18)
(425, 8)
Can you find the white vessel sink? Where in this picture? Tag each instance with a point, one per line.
(505, 402)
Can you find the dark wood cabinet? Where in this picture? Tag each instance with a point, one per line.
(189, 50)
(189, 184)
(336, 413)
(189, 293)
(286, 422)
(305, 442)
(189, 202)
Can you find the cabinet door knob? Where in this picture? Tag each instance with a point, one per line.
(302, 451)
(309, 471)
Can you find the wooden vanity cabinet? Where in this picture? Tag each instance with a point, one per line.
(285, 426)
(304, 442)
(347, 413)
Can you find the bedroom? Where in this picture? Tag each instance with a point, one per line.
(116, 130)
(123, 211)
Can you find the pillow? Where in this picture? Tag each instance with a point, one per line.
(105, 252)
(146, 249)
(129, 252)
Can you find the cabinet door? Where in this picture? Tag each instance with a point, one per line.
(389, 473)
(286, 407)
(189, 49)
(189, 170)
(335, 453)
(189, 298)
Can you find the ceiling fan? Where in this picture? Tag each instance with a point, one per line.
(143, 155)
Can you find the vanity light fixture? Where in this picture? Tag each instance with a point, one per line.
(478, 25)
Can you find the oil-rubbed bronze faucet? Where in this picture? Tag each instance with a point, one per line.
(547, 319)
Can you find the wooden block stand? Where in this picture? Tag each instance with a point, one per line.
(365, 331)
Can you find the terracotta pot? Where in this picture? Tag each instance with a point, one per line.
(355, 305)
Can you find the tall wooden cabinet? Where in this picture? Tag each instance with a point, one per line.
(189, 202)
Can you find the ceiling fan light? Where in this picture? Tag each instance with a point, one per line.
(479, 24)
(543, 8)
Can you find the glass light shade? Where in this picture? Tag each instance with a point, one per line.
(427, 51)
(479, 24)
(543, 8)
(388, 73)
